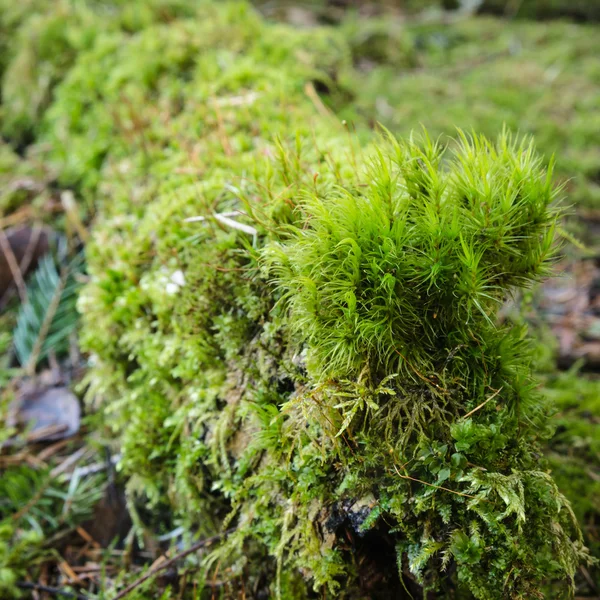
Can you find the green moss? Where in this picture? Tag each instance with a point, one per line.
(17, 552)
(319, 370)
(574, 451)
(302, 416)
(44, 40)
(381, 277)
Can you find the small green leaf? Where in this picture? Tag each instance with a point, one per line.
(458, 460)
(443, 475)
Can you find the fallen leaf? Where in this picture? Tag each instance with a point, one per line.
(47, 414)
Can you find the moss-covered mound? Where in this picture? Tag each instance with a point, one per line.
(363, 396)
(328, 410)
(291, 326)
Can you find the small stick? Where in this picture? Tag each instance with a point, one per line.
(52, 450)
(16, 218)
(483, 403)
(68, 571)
(94, 468)
(44, 432)
(427, 380)
(70, 460)
(25, 585)
(238, 100)
(437, 487)
(87, 537)
(221, 131)
(67, 199)
(235, 225)
(14, 266)
(166, 564)
(31, 246)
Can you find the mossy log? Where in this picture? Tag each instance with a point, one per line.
(292, 324)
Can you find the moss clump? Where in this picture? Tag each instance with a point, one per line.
(42, 40)
(315, 363)
(329, 370)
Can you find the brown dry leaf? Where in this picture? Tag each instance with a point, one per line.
(570, 303)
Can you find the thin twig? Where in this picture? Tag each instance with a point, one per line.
(588, 578)
(94, 468)
(483, 403)
(221, 131)
(438, 487)
(14, 266)
(25, 585)
(44, 432)
(20, 216)
(67, 570)
(67, 199)
(68, 462)
(166, 564)
(235, 225)
(50, 451)
(31, 247)
(244, 100)
(426, 379)
(311, 92)
(87, 537)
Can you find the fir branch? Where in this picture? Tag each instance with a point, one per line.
(49, 316)
(46, 323)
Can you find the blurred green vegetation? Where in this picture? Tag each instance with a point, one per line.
(333, 10)
(574, 451)
(541, 79)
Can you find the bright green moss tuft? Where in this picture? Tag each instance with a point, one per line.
(376, 397)
(401, 272)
